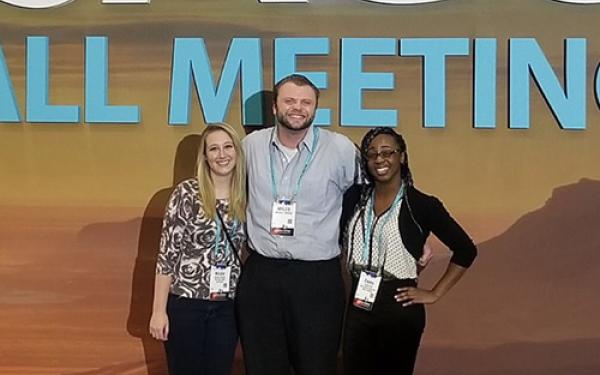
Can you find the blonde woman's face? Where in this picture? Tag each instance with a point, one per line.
(220, 153)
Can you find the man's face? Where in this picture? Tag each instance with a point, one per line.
(295, 106)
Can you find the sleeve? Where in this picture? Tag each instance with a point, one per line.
(171, 234)
(349, 202)
(451, 234)
(351, 171)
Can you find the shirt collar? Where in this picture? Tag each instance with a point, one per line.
(307, 141)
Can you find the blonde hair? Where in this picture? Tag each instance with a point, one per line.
(237, 190)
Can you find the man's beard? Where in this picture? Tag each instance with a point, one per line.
(282, 119)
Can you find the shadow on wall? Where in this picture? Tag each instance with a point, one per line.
(258, 111)
(142, 285)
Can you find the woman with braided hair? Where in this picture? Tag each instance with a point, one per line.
(388, 222)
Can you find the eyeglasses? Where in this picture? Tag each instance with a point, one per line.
(385, 153)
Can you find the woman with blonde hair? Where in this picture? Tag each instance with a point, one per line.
(198, 264)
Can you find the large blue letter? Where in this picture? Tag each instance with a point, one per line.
(568, 106)
(9, 111)
(286, 50)
(434, 52)
(38, 76)
(190, 59)
(484, 81)
(354, 80)
(96, 87)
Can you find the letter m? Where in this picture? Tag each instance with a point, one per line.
(191, 62)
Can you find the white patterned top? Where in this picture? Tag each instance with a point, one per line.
(386, 244)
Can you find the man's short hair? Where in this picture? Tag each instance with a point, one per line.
(298, 80)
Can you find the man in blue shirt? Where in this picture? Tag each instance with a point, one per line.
(291, 294)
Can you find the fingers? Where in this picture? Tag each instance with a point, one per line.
(406, 296)
(160, 333)
(155, 333)
(411, 296)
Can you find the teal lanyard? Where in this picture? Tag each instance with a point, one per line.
(218, 231)
(370, 227)
(306, 164)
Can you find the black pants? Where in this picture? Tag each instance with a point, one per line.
(202, 336)
(290, 315)
(383, 341)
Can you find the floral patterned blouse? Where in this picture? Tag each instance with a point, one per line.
(188, 241)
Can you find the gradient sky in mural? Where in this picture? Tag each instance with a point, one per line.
(475, 171)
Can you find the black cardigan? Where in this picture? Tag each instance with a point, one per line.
(420, 215)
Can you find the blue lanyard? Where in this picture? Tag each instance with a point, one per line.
(369, 225)
(218, 231)
(306, 164)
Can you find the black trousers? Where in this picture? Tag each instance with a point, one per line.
(290, 315)
(385, 340)
(202, 336)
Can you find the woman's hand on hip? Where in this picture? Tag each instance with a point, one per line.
(411, 295)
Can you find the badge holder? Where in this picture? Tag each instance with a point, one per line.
(366, 290)
(219, 282)
(283, 217)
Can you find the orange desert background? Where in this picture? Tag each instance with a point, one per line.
(81, 205)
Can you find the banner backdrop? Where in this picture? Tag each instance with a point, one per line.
(101, 104)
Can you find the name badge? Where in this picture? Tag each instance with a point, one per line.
(219, 282)
(366, 291)
(283, 218)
